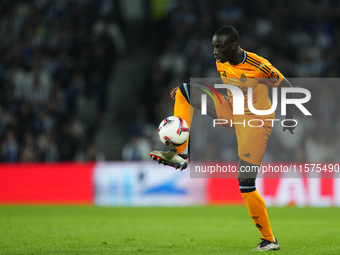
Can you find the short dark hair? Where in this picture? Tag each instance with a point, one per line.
(230, 32)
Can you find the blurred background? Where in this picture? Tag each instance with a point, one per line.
(89, 80)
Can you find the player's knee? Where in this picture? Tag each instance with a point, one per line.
(185, 90)
(245, 186)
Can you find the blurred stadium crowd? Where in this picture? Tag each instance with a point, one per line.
(56, 59)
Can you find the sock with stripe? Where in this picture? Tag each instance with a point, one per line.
(257, 209)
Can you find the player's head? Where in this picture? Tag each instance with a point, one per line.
(225, 43)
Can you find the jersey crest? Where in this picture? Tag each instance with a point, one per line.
(243, 78)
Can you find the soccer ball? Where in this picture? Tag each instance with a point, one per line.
(173, 131)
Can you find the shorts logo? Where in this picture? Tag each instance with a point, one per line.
(224, 74)
(247, 155)
(243, 78)
(274, 77)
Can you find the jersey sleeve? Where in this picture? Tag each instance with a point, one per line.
(272, 76)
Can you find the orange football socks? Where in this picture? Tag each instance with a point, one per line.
(183, 110)
(258, 212)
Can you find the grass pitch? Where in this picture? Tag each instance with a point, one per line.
(161, 230)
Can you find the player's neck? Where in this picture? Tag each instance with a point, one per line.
(237, 58)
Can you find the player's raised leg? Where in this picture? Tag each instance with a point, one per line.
(183, 109)
(187, 97)
(256, 206)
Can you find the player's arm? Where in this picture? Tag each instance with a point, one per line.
(289, 107)
(274, 79)
(173, 92)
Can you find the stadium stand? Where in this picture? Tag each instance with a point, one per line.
(56, 59)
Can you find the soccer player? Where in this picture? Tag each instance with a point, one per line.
(242, 69)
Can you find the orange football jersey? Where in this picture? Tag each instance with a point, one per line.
(254, 71)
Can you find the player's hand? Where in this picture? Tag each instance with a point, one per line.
(290, 123)
(173, 93)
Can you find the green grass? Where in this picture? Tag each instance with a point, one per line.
(161, 230)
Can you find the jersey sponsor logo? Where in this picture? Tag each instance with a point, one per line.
(274, 77)
(224, 74)
(243, 78)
